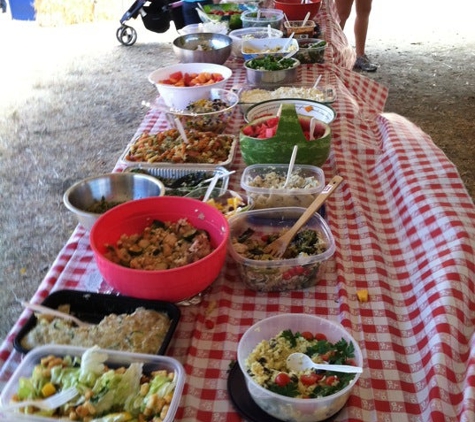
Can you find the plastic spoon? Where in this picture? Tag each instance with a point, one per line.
(307, 16)
(53, 312)
(291, 165)
(317, 81)
(269, 31)
(181, 129)
(286, 47)
(287, 56)
(211, 186)
(300, 362)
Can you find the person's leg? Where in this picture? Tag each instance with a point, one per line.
(363, 10)
(343, 8)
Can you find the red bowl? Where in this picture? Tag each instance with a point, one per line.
(170, 285)
(295, 10)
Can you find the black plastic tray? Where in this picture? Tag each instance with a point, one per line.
(93, 307)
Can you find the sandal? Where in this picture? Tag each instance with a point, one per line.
(363, 63)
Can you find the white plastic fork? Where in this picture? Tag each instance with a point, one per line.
(52, 402)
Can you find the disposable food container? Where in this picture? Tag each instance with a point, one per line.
(300, 31)
(228, 13)
(240, 35)
(277, 47)
(262, 18)
(288, 408)
(180, 181)
(279, 274)
(310, 179)
(311, 50)
(152, 154)
(115, 359)
(209, 114)
(93, 307)
(252, 95)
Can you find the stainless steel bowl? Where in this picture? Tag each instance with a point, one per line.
(112, 187)
(271, 78)
(203, 47)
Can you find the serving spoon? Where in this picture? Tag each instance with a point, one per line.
(299, 362)
(278, 247)
(53, 312)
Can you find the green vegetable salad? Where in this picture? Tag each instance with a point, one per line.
(105, 394)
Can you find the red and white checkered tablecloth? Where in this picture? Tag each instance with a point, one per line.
(405, 230)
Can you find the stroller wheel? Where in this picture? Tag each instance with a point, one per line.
(126, 35)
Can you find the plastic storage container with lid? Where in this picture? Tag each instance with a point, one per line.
(262, 18)
(263, 184)
(239, 35)
(282, 274)
(115, 359)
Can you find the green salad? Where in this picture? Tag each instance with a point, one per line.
(270, 63)
(105, 394)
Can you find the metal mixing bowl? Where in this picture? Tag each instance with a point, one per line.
(112, 188)
(203, 47)
(271, 78)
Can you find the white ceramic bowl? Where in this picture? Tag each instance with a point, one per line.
(179, 97)
(240, 35)
(320, 111)
(295, 409)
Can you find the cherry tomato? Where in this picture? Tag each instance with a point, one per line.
(331, 380)
(282, 379)
(320, 336)
(307, 335)
(310, 379)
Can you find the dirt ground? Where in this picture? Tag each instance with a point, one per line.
(70, 100)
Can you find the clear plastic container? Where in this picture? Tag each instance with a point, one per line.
(299, 30)
(279, 274)
(288, 408)
(115, 359)
(277, 47)
(262, 18)
(306, 183)
(311, 50)
(239, 35)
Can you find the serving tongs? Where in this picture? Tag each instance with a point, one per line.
(54, 312)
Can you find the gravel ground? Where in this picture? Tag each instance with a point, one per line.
(70, 100)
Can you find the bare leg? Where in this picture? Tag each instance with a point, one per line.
(343, 8)
(363, 9)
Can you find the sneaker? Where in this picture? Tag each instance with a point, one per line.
(363, 63)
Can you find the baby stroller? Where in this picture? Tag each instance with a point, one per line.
(156, 16)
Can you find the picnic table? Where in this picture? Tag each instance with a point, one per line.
(404, 227)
